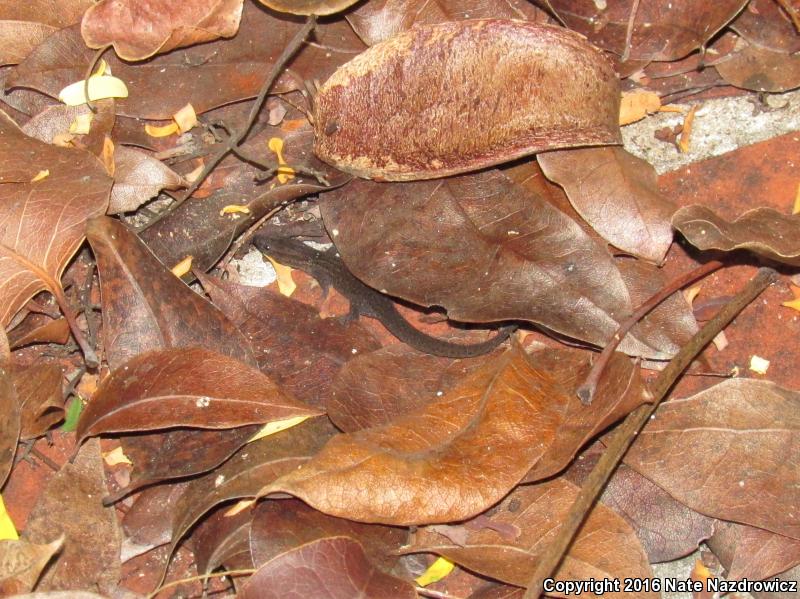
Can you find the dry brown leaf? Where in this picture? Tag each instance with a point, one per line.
(617, 194)
(760, 69)
(763, 231)
(457, 456)
(730, 452)
(606, 547)
(138, 29)
(191, 387)
(21, 564)
(42, 222)
(137, 178)
(459, 96)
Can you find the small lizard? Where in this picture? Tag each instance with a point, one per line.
(329, 271)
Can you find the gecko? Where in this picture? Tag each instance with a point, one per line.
(330, 271)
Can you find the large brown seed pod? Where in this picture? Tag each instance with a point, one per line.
(459, 96)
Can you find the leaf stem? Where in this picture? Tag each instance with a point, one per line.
(587, 389)
(234, 141)
(624, 435)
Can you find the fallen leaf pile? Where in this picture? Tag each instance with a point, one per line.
(430, 175)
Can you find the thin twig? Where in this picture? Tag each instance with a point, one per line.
(234, 141)
(625, 434)
(587, 389)
(245, 237)
(626, 52)
(203, 577)
(89, 72)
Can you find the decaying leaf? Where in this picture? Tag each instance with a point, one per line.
(661, 30)
(308, 7)
(137, 178)
(753, 553)
(140, 28)
(183, 387)
(458, 96)
(617, 194)
(296, 348)
(24, 25)
(455, 457)
(606, 547)
(281, 525)
(178, 453)
(485, 249)
(760, 69)
(38, 389)
(667, 529)
(42, 222)
(223, 539)
(146, 307)
(378, 20)
(730, 452)
(21, 564)
(765, 24)
(763, 231)
(248, 470)
(72, 505)
(9, 422)
(329, 567)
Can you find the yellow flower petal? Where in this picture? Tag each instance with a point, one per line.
(161, 131)
(437, 570)
(100, 88)
(270, 428)
(8, 531)
(182, 267)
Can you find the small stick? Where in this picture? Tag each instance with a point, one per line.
(203, 577)
(245, 237)
(625, 434)
(587, 389)
(89, 71)
(293, 46)
(626, 52)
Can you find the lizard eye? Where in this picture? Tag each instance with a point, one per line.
(331, 128)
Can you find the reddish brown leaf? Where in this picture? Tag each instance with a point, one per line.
(330, 568)
(617, 194)
(179, 453)
(458, 96)
(485, 249)
(148, 522)
(375, 388)
(753, 553)
(137, 178)
(296, 348)
(730, 452)
(191, 387)
(605, 547)
(71, 504)
(9, 422)
(666, 528)
(661, 31)
(207, 75)
(764, 23)
(379, 20)
(38, 328)
(146, 307)
(249, 469)
(760, 69)
(24, 25)
(223, 539)
(763, 231)
(308, 7)
(140, 28)
(21, 564)
(40, 398)
(281, 525)
(42, 222)
(454, 457)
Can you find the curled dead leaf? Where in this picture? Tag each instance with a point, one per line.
(763, 231)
